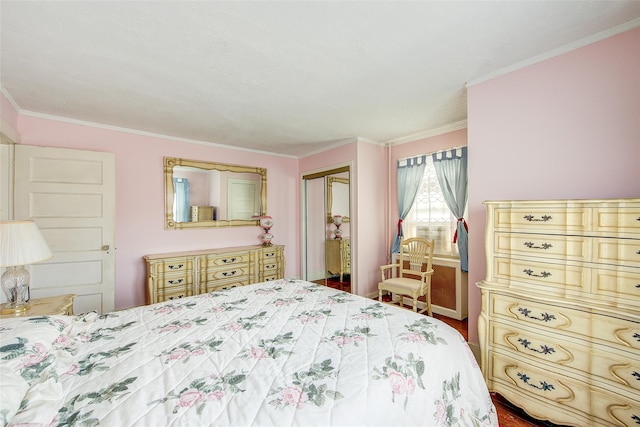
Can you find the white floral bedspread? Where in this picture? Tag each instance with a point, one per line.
(271, 354)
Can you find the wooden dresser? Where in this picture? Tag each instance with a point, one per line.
(182, 274)
(338, 256)
(560, 322)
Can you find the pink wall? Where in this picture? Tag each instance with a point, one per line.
(140, 196)
(370, 214)
(565, 128)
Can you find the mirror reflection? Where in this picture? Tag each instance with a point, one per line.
(326, 228)
(337, 198)
(209, 194)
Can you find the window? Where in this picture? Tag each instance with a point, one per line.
(430, 217)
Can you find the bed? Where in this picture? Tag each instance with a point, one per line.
(280, 353)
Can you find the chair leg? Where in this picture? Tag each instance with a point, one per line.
(415, 303)
(380, 295)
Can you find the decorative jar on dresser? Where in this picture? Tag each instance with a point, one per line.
(560, 322)
(182, 274)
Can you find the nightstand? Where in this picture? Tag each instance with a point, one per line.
(61, 304)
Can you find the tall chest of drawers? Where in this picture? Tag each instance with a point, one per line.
(559, 327)
(182, 274)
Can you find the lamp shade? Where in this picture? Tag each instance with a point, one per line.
(21, 243)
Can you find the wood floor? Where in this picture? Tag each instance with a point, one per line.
(508, 414)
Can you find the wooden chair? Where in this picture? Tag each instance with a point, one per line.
(413, 273)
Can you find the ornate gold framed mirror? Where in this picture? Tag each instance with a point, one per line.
(337, 198)
(201, 194)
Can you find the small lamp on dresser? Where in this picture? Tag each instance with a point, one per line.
(21, 243)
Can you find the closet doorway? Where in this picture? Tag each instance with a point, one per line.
(326, 227)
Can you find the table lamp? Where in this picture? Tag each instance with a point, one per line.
(21, 243)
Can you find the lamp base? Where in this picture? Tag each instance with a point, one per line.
(17, 309)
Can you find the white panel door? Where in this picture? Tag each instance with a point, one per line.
(246, 198)
(70, 194)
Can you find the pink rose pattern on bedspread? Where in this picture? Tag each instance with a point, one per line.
(275, 353)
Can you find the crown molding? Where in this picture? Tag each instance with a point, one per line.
(12, 101)
(462, 124)
(149, 134)
(557, 52)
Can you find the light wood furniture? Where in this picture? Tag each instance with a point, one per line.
(61, 304)
(413, 273)
(560, 322)
(182, 274)
(338, 254)
(449, 288)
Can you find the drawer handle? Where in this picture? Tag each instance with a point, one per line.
(532, 218)
(546, 317)
(530, 272)
(176, 282)
(532, 245)
(636, 375)
(229, 273)
(544, 386)
(637, 336)
(544, 349)
(175, 267)
(638, 285)
(179, 296)
(634, 417)
(228, 260)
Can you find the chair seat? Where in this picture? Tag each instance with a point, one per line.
(398, 284)
(415, 260)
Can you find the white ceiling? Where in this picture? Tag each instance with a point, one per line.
(282, 77)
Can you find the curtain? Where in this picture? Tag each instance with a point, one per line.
(410, 172)
(451, 168)
(181, 200)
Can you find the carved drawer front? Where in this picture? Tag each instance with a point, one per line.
(551, 388)
(171, 265)
(540, 347)
(227, 259)
(624, 334)
(544, 276)
(183, 279)
(219, 285)
(541, 219)
(617, 368)
(271, 268)
(271, 254)
(615, 409)
(617, 220)
(576, 248)
(166, 293)
(620, 284)
(227, 273)
(617, 251)
(540, 315)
